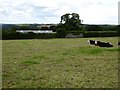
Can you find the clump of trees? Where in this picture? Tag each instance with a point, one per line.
(101, 27)
(100, 30)
(69, 22)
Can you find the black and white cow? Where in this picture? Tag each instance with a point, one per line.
(91, 42)
(103, 44)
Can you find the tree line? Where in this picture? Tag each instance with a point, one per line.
(69, 23)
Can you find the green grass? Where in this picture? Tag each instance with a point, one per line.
(59, 63)
(0, 64)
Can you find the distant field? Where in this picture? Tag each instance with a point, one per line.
(55, 63)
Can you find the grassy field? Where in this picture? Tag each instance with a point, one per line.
(55, 63)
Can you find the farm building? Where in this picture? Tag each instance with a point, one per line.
(35, 31)
(70, 35)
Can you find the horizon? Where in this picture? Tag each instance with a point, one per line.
(54, 23)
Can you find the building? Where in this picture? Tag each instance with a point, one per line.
(34, 31)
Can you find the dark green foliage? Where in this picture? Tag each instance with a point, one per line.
(101, 30)
(30, 35)
(69, 24)
(0, 33)
(75, 32)
(10, 33)
(44, 28)
(61, 32)
(45, 36)
(24, 27)
(30, 62)
(93, 28)
(53, 28)
(100, 33)
(71, 21)
(101, 27)
(8, 26)
(118, 30)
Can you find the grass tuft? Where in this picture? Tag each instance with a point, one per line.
(30, 62)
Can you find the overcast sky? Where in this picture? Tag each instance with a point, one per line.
(50, 11)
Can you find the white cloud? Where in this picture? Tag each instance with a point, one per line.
(100, 13)
(49, 11)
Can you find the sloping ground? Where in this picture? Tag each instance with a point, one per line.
(0, 64)
(54, 63)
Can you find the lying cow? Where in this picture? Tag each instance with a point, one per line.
(118, 43)
(92, 42)
(103, 44)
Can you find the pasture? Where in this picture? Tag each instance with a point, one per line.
(59, 63)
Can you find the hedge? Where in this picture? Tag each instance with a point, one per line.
(9, 35)
(75, 32)
(100, 33)
(27, 36)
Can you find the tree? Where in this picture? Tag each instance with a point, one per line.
(61, 32)
(53, 27)
(71, 21)
(65, 18)
(24, 27)
(94, 28)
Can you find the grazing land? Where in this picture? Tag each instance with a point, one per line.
(55, 63)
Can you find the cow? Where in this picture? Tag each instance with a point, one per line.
(91, 42)
(103, 44)
(118, 43)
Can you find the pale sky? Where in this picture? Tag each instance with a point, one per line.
(50, 11)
